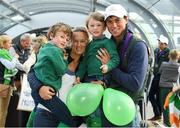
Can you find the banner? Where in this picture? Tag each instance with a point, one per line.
(26, 102)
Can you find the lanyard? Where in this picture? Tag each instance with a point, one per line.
(159, 54)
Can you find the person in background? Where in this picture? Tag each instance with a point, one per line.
(169, 74)
(7, 72)
(161, 54)
(22, 48)
(129, 76)
(37, 43)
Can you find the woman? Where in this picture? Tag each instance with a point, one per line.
(7, 71)
(79, 41)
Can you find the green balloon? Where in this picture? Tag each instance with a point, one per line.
(83, 99)
(118, 107)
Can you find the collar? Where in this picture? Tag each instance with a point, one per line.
(99, 38)
(122, 39)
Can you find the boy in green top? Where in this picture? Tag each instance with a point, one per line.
(51, 65)
(91, 68)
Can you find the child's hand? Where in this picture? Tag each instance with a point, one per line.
(77, 81)
(176, 89)
(104, 68)
(46, 92)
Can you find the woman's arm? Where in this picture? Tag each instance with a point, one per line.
(8, 64)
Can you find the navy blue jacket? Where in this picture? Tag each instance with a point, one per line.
(131, 80)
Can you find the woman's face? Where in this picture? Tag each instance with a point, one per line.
(79, 42)
(8, 44)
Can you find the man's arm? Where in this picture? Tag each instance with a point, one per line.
(45, 92)
(137, 66)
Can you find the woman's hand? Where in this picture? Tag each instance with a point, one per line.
(77, 81)
(46, 92)
(103, 56)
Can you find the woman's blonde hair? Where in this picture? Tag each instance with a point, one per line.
(83, 30)
(3, 40)
(174, 54)
(40, 40)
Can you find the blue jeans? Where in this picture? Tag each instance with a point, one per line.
(44, 118)
(55, 105)
(59, 110)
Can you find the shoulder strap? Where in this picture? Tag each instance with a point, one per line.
(129, 50)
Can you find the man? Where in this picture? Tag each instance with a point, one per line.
(161, 54)
(22, 49)
(130, 74)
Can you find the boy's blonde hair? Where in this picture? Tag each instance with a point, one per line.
(96, 16)
(174, 54)
(59, 27)
(3, 40)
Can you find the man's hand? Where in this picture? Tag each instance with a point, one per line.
(46, 92)
(103, 56)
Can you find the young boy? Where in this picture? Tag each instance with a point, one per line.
(91, 68)
(49, 69)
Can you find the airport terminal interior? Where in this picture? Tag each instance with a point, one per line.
(148, 19)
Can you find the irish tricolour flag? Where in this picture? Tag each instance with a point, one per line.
(173, 101)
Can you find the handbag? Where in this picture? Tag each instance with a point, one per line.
(4, 90)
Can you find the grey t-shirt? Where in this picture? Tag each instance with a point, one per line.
(169, 73)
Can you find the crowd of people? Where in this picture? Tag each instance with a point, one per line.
(66, 57)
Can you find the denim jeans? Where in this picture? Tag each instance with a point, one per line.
(45, 118)
(59, 110)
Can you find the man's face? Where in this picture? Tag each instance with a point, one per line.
(25, 43)
(162, 45)
(116, 26)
